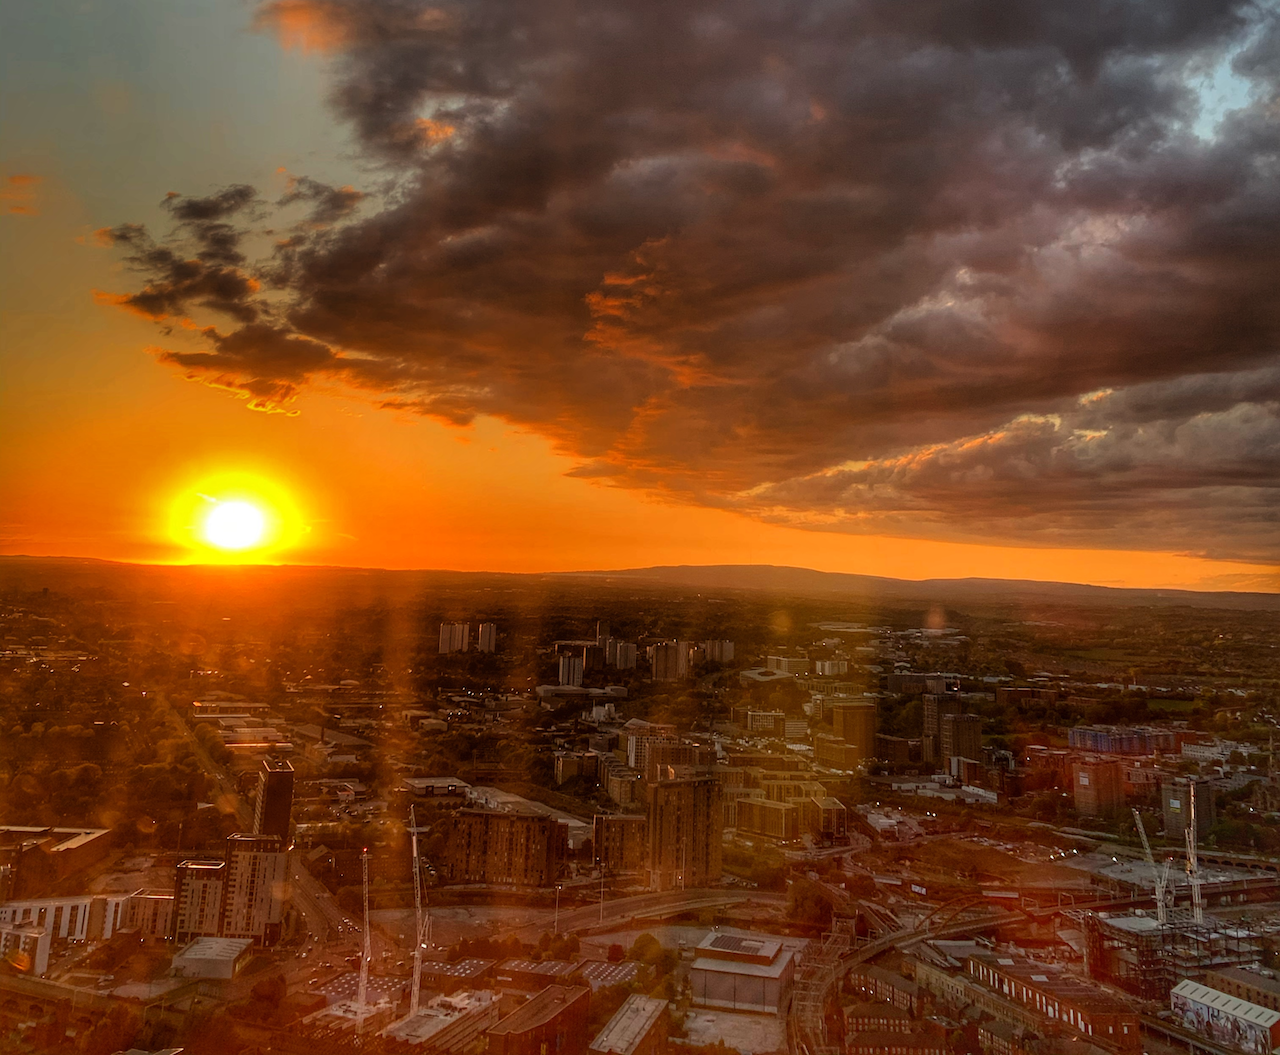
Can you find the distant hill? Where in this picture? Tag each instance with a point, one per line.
(328, 585)
(806, 581)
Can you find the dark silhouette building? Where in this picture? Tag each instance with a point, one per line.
(274, 808)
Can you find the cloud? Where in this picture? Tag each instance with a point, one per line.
(18, 194)
(850, 265)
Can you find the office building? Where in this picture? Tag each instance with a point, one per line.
(961, 736)
(487, 638)
(454, 637)
(1098, 788)
(787, 664)
(518, 848)
(685, 829)
(274, 806)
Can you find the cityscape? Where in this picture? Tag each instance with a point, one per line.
(595, 527)
(618, 814)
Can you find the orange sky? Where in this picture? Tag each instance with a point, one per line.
(97, 440)
(92, 468)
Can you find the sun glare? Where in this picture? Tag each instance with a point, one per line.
(235, 518)
(235, 525)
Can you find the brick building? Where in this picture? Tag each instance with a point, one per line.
(520, 848)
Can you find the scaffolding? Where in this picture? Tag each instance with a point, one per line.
(823, 964)
(1146, 957)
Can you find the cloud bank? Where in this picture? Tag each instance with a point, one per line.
(971, 269)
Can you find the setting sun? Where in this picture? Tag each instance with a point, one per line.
(235, 525)
(235, 517)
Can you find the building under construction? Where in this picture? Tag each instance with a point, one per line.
(1147, 957)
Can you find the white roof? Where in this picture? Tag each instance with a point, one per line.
(215, 949)
(629, 1025)
(1224, 1002)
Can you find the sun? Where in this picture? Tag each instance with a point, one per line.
(234, 525)
(235, 518)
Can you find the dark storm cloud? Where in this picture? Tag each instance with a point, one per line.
(960, 268)
(328, 204)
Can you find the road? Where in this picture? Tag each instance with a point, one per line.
(623, 910)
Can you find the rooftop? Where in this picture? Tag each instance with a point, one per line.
(215, 949)
(540, 1009)
(628, 1027)
(1227, 1004)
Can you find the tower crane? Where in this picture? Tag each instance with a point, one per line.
(1161, 877)
(363, 999)
(422, 926)
(1193, 862)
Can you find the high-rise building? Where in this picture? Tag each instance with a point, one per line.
(257, 886)
(1175, 798)
(197, 899)
(519, 847)
(961, 736)
(454, 637)
(936, 706)
(602, 633)
(718, 651)
(241, 896)
(855, 724)
(1098, 788)
(624, 655)
(619, 842)
(592, 658)
(274, 807)
(669, 660)
(487, 638)
(685, 831)
(571, 670)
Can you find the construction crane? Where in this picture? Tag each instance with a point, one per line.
(1161, 877)
(363, 999)
(422, 926)
(1193, 862)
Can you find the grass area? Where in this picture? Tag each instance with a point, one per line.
(1172, 706)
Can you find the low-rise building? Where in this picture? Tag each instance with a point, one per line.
(1059, 997)
(554, 1022)
(216, 958)
(1256, 985)
(1225, 1019)
(742, 973)
(638, 1028)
